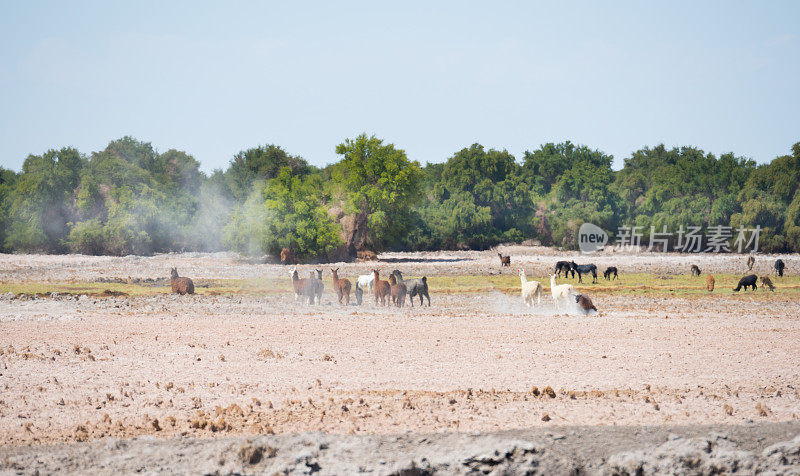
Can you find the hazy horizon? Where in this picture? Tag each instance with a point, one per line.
(431, 79)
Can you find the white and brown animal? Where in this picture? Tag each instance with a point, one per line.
(180, 285)
(529, 289)
(365, 281)
(710, 282)
(767, 283)
(561, 292)
(303, 288)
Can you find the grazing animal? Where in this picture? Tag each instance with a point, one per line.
(694, 270)
(779, 265)
(530, 289)
(398, 291)
(180, 285)
(303, 288)
(710, 282)
(564, 266)
(750, 262)
(504, 260)
(560, 292)
(767, 283)
(380, 289)
(359, 294)
(609, 271)
(415, 287)
(365, 281)
(749, 280)
(366, 255)
(582, 269)
(287, 257)
(341, 286)
(584, 303)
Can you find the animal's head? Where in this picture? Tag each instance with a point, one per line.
(521, 271)
(425, 279)
(293, 271)
(375, 273)
(173, 273)
(398, 274)
(319, 273)
(335, 272)
(573, 264)
(553, 277)
(392, 279)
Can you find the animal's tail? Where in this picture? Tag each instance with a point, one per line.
(738, 287)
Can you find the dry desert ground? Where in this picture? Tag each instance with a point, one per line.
(102, 370)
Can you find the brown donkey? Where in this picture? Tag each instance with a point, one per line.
(341, 286)
(380, 288)
(398, 291)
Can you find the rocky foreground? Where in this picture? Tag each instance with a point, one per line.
(750, 449)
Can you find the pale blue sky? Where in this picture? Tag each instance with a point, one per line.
(431, 77)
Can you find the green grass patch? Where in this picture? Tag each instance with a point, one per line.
(627, 284)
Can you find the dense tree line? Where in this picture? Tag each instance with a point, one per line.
(131, 199)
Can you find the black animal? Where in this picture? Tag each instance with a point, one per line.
(749, 280)
(414, 287)
(779, 265)
(609, 271)
(582, 269)
(564, 266)
(694, 270)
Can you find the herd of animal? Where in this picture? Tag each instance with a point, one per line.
(747, 281)
(396, 290)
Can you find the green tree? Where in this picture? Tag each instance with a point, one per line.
(681, 187)
(771, 199)
(571, 184)
(285, 212)
(260, 163)
(7, 180)
(41, 200)
(380, 186)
